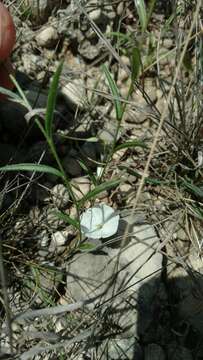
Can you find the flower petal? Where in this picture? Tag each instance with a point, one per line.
(107, 212)
(99, 222)
(110, 227)
(91, 219)
(95, 234)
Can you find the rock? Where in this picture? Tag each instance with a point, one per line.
(47, 37)
(150, 89)
(168, 43)
(96, 15)
(120, 9)
(109, 12)
(88, 50)
(43, 253)
(139, 258)
(81, 186)
(135, 279)
(74, 93)
(37, 98)
(44, 239)
(71, 165)
(60, 196)
(125, 188)
(88, 154)
(30, 63)
(160, 104)
(122, 76)
(154, 352)
(107, 134)
(48, 217)
(39, 151)
(58, 238)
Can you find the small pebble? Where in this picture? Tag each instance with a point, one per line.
(47, 37)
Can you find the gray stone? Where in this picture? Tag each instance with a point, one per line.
(129, 273)
(37, 98)
(51, 219)
(43, 253)
(37, 151)
(88, 51)
(74, 93)
(137, 258)
(80, 186)
(72, 166)
(47, 37)
(60, 196)
(96, 15)
(168, 43)
(44, 239)
(109, 12)
(108, 133)
(88, 154)
(30, 63)
(59, 238)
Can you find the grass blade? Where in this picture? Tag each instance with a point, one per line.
(32, 167)
(98, 189)
(88, 171)
(115, 93)
(129, 144)
(193, 189)
(10, 94)
(142, 13)
(150, 9)
(21, 93)
(136, 64)
(68, 219)
(51, 102)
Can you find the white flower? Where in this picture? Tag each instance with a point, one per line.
(99, 222)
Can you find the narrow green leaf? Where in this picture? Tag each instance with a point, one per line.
(120, 35)
(68, 219)
(51, 102)
(32, 167)
(141, 10)
(86, 247)
(195, 190)
(129, 144)
(98, 189)
(42, 129)
(135, 64)
(196, 211)
(10, 94)
(115, 93)
(21, 93)
(150, 9)
(88, 171)
(148, 180)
